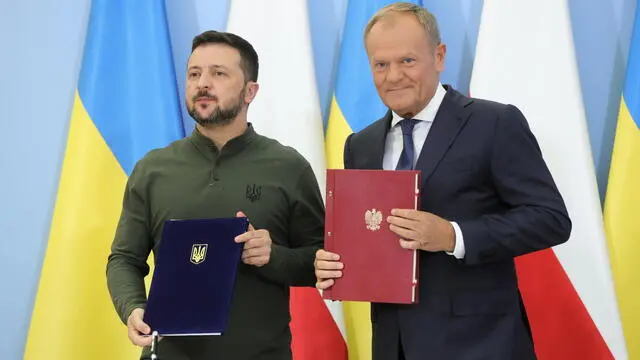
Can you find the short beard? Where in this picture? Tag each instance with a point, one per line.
(219, 116)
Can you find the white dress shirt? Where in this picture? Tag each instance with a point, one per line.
(393, 147)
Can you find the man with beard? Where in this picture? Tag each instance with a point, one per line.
(224, 168)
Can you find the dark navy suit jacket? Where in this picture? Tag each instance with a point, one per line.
(481, 167)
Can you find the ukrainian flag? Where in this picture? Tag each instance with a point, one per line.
(622, 204)
(126, 104)
(355, 105)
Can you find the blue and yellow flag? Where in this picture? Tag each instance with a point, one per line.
(126, 104)
(355, 105)
(622, 204)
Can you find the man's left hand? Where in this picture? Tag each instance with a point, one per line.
(422, 230)
(257, 245)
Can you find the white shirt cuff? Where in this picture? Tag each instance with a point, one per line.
(458, 250)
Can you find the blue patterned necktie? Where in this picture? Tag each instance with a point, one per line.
(406, 157)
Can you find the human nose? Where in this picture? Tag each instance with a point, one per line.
(204, 82)
(394, 74)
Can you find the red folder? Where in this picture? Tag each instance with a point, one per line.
(376, 268)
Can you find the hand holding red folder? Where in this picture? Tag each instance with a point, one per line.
(363, 259)
(328, 267)
(418, 230)
(421, 230)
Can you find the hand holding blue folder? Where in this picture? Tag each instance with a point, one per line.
(257, 245)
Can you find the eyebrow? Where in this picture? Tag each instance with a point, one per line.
(215, 66)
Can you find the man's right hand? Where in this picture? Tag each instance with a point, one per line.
(138, 329)
(328, 267)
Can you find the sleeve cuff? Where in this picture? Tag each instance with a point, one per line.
(129, 309)
(458, 250)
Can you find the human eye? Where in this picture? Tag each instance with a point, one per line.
(379, 65)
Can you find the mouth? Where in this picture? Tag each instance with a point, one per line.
(204, 99)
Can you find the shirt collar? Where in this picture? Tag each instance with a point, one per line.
(232, 146)
(429, 112)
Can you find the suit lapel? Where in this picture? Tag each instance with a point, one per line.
(375, 153)
(451, 117)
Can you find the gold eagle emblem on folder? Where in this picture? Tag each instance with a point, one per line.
(373, 219)
(198, 253)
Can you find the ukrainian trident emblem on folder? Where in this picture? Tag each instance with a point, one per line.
(192, 288)
(198, 253)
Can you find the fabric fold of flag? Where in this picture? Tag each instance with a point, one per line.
(126, 104)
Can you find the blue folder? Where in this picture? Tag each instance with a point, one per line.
(194, 276)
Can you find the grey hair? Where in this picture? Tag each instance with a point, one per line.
(424, 17)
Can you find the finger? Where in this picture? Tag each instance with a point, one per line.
(329, 265)
(404, 233)
(141, 326)
(143, 340)
(409, 244)
(325, 284)
(261, 251)
(241, 214)
(403, 222)
(246, 236)
(325, 255)
(326, 274)
(256, 242)
(139, 339)
(406, 213)
(256, 260)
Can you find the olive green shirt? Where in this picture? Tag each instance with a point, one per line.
(277, 190)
